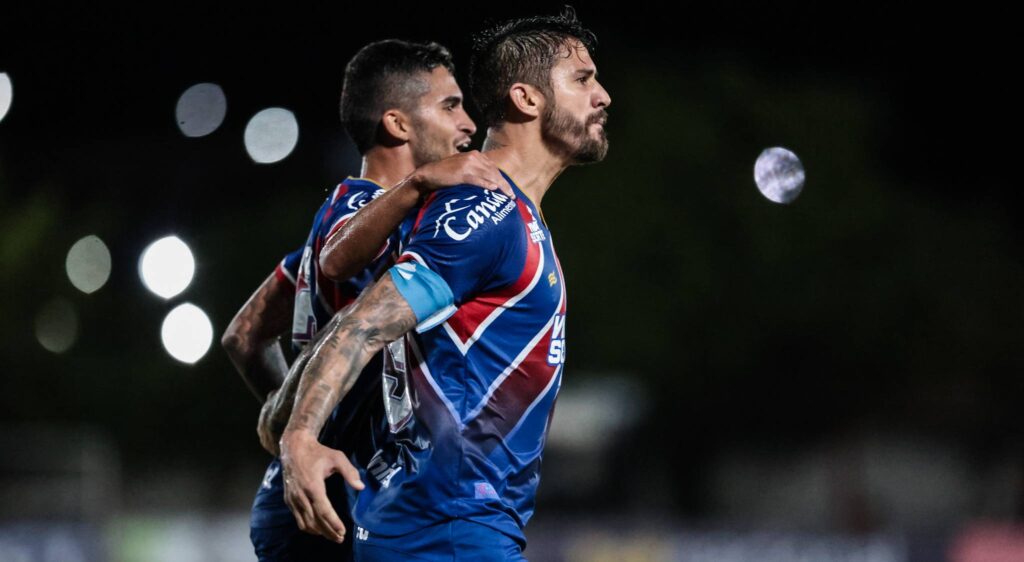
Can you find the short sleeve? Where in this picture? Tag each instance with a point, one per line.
(467, 235)
(288, 269)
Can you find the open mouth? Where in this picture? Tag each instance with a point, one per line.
(462, 146)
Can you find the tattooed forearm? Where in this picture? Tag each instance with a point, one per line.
(381, 315)
(251, 340)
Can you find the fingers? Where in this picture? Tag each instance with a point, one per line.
(301, 509)
(348, 472)
(326, 519)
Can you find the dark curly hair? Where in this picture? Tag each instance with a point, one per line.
(520, 50)
(386, 75)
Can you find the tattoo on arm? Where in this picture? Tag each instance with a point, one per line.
(381, 315)
(251, 340)
(280, 409)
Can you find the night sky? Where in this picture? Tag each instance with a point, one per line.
(888, 293)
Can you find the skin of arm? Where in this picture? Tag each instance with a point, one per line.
(360, 239)
(251, 340)
(381, 315)
(278, 407)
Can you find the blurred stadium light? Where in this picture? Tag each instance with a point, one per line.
(6, 94)
(57, 325)
(271, 135)
(167, 266)
(187, 333)
(201, 109)
(88, 264)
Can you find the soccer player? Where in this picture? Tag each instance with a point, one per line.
(477, 305)
(403, 109)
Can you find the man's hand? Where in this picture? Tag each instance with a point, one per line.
(471, 167)
(306, 464)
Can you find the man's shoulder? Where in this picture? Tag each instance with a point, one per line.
(350, 196)
(467, 213)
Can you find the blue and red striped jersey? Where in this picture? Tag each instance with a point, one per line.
(317, 298)
(354, 421)
(469, 400)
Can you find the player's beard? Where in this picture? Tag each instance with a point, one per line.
(561, 129)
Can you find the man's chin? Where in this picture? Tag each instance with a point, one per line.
(591, 153)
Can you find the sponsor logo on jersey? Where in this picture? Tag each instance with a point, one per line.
(492, 205)
(268, 476)
(362, 534)
(556, 349)
(360, 200)
(381, 471)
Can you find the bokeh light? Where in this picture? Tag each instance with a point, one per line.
(88, 264)
(167, 267)
(271, 135)
(57, 325)
(187, 333)
(201, 109)
(779, 174)
(6, 94)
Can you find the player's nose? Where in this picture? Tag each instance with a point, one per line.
(602, 98)
(468, 126)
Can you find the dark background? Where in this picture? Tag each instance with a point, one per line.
(886, 300)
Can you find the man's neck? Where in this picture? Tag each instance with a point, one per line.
(386, 165)
(517, 149)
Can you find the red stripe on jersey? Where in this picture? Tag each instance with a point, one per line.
(423, 209)
(470, 315)
(282, 275)
(561, 278)
(505, 408)
(342, 189)
(428, 407)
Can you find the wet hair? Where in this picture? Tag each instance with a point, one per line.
(520, 50)
(386, 75)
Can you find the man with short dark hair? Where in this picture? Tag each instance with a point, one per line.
(469, 393)
(402, 107)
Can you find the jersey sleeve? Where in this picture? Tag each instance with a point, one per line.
(343, 207)
(288, 268)
(465, 240)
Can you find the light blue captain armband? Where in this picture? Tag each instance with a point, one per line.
(427, 294)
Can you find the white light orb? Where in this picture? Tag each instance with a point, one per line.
(271, 135)
(167, 267)
(187, 333)
(57, 326)
(779, 175)
(88, 264)
(201, 109)
(6, 94)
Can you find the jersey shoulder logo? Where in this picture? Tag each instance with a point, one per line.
(464, 215)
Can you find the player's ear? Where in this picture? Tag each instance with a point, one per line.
(526, 99)
(396, 123)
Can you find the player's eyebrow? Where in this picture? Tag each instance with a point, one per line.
(586, 72)
(453, 100)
